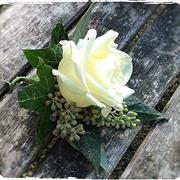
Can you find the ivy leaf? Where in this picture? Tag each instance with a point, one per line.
(145, 113)
(51, 55)
(44, 126)
(33, 97)
(81, 28)
(91, 146)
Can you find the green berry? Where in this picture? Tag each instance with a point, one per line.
(57, 94)
(66, 105)
(54, 114)
(47, 103)
(137, 121)
(58, 126)
(117, 126)
(123, 126)
(58, 105)
(128, 124)
(123, 103)
(55, 132)
(121, 122)
(98, 124)
(50, 96)
(67, 117)
(68, 126)
(124, 106)
(73, 117)
(53, 107)
(102, 123)
(79, 126)
(127, 119)
(124, 117)
(63, 114)
(74, 122)
(82, 132)
(62, 100)
(132, 114)
(80, 129)
(120, 113)
(133, 125)
(72, 130)
(125, 110)
(113, 123)
(108, 124)
(76, 137)
(71, 138)
(64, 132)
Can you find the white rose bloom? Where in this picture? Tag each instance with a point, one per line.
(94, 72)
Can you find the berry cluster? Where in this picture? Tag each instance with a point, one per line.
(117, 119)
(69, 118)
(66, 116)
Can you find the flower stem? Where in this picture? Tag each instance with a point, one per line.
(27, 80)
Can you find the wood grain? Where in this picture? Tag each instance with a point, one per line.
(159, 154)
(18, 125)
(29, 26)
(156, 62)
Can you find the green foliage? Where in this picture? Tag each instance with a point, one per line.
(33, 97)
(90, 145)
(144, 112)
(51, 55)
(81, 28)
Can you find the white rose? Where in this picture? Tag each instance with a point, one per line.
(94, 72)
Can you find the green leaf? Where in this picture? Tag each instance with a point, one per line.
(145, 113)
(91, 146)
(81, 28)
(58, 33)
(51, 55)
(33, 97)
(44, 126)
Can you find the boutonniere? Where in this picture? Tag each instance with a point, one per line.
(80, 88)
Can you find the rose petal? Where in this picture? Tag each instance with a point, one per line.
(103, 44)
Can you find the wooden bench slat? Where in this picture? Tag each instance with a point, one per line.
(29, 26)
(18, 125)
(158, 157)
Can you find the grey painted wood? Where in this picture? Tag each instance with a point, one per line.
(156, 62)
(125, 18)
(159, 154)
(29, 26)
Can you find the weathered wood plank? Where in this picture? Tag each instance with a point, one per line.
(152, 70)
(18, 125)
(159, 154)
(29, 26)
